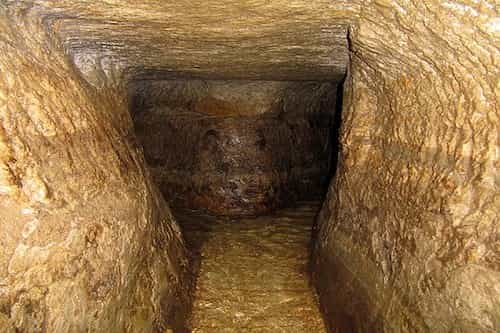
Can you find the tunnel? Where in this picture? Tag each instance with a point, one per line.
(236, 148)
(249, 166)
(244, 166)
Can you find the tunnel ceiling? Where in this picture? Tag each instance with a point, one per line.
(231, 39)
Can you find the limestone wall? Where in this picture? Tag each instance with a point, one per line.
(87, 243)
(408, 238)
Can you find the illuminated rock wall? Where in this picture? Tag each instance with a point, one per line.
(408, 238)
(88, 244)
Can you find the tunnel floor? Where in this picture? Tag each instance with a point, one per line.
(252, 272)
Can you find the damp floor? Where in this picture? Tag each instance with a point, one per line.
(252, 272)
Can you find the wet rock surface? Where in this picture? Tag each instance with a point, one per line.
(408, 236)
(232, 166)
(253, 274)
(236, 148)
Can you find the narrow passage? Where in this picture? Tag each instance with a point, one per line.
(253, 272)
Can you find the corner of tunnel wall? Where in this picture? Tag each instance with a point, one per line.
(408, 235)
(88, 244)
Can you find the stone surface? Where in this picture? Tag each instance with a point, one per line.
(408, 237)
(87, 242)
(227, 39)
(409, 234)
(236, 148)
(253, 272)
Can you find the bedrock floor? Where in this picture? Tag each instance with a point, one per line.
(252, 273)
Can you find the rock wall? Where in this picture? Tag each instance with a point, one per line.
(408, 237)
(88, 245)
(235, 147)
(213, 39)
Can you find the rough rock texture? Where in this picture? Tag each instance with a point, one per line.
(253, 272)
(216, 39)
(235, 148)
(87, 243)
(409, 238)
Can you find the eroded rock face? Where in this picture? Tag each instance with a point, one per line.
(235, 147)
(230, 39)
(88, 244)
(408, 237)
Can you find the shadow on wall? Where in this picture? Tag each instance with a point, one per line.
(335, 123)
(237, 148)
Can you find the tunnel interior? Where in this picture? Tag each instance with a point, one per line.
(253, 165)
(237, 148)
(244, 166)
